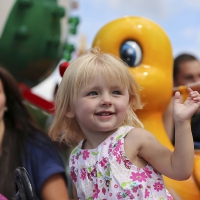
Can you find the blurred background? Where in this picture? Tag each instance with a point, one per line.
(35, 36)
(180, 19)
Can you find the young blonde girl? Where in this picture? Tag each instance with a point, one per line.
(116, 158)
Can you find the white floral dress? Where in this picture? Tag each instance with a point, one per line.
(105, 173)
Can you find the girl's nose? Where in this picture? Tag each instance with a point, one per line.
(106, 100)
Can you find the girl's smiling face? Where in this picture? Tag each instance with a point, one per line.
(100, 107)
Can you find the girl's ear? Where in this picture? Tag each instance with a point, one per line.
(70, 114)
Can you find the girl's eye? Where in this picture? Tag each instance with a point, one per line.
(116, 92)
(92, 93)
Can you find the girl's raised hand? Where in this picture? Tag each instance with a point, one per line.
(184, 111)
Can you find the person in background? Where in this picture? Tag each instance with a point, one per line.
(63, 148)
(186, 71)
(116, 157)
(23, 144)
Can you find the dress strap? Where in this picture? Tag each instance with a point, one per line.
(122, 132)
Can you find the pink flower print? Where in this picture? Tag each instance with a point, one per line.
(94, 172)
(86, 154)
(138, 176)
(158, 186)
(103, 162)
(73, 174)
(110, 148)
(78, 154)
(104, 190)
(148, 172)
(115, 186)
(127, 163)
(104, 143)
(115, 153)
(107, 183)
(147, 193)
(83, 173)
(95, 191)
(135, 189)
(128, 193)
(140, 186)
(72, 160)
(119, 196)
(111, 138)
(169, 198)
(118, 146)
(110, 194)
(89, 176)
(118, 158)
(149, 187)
(131, 196)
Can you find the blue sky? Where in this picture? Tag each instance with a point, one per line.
(180, 19)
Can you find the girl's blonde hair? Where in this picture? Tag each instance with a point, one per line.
(79, 72)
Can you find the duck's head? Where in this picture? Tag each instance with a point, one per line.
(144, 45)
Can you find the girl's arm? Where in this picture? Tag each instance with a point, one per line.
(184, 147)
(169, 121)
(54, 188)
(178, 164)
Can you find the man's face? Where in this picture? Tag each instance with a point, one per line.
(189, 72)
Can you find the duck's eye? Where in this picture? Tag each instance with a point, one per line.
(131, 53)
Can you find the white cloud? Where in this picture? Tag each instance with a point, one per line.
(154, 7)
(104, 11)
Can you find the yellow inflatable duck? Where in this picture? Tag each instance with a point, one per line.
(146, 48)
